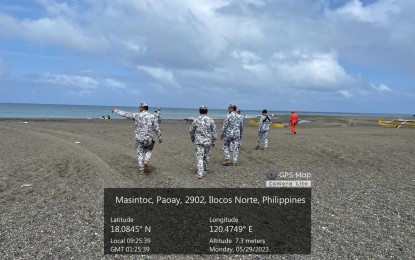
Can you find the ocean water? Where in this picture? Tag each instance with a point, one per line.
(19, 110)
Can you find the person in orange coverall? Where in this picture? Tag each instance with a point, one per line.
(293, 122)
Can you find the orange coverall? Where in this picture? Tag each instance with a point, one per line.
(293, 122)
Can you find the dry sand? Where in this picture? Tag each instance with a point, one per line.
(51, 187)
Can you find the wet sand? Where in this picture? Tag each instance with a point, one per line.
(53, 174)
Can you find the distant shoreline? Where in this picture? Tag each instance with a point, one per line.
(60, 111)
(314, 118)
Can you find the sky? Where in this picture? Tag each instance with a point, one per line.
(307, 55)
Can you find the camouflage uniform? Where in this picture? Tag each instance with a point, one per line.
(157, 114)
(242, 119)
(203, 134)
(232, 132)
(145, 124)
(263, 131)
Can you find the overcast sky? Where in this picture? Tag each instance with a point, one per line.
(310, 55)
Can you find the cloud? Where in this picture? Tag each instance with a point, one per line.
(74, 84)
(251, 62)
(8, 24)
(161, 75)
(113, 84)
(84, 83)
(137, 48)
(54, 8)
(378, 12)
(307, 69)
(305, 48)
(379, 34)
(59, 31)
(71, 81)
(381, 87)
(63, 33)
(345, 93)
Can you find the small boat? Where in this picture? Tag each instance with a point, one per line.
(398, 123)
(277, 125)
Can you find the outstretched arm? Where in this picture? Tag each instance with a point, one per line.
(128, 115)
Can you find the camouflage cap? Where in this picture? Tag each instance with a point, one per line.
(203, 107)
(143, 104)
(231, 105)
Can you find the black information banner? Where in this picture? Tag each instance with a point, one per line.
(207, 221)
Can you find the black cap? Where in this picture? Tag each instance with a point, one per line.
(203, 109)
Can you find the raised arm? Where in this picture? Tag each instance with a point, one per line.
(128, 115)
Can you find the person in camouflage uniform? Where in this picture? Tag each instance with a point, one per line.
(157, 114)
(231, 134)
(203, 134)
(145, 124)
(263, 131)
(238, 111)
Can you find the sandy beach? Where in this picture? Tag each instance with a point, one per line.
(53, 174)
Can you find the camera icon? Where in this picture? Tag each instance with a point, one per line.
(272, 175)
